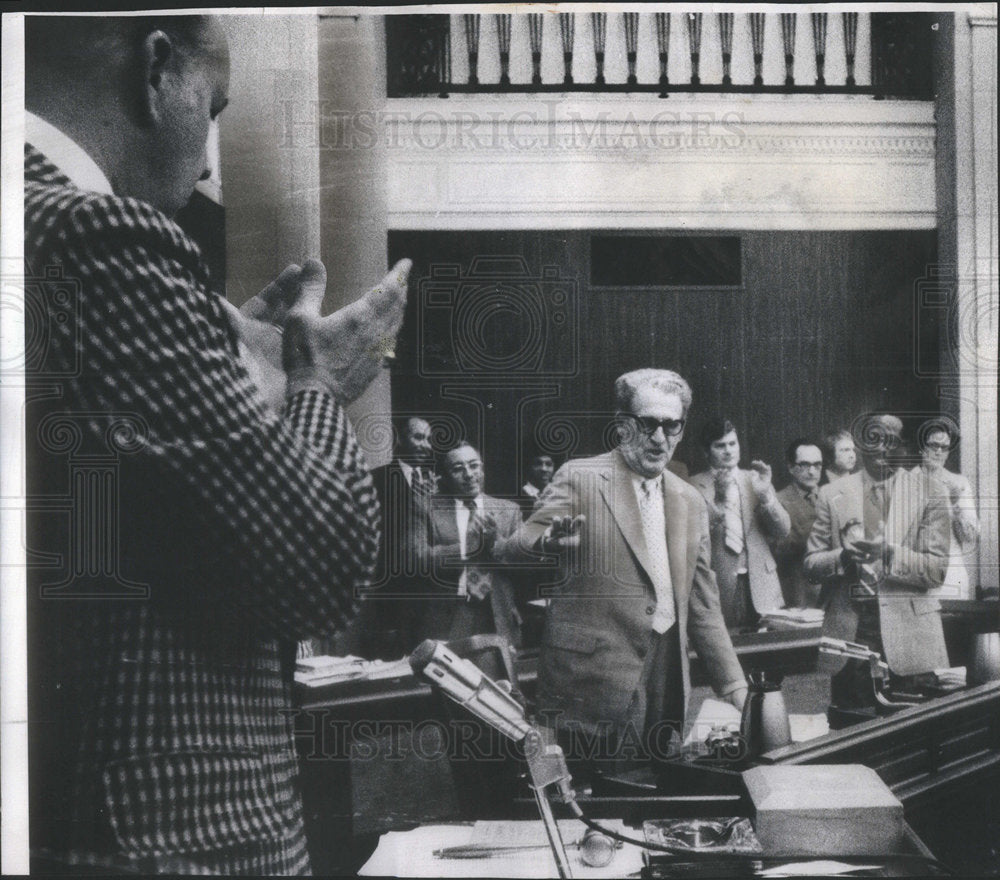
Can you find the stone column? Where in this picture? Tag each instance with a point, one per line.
(967, 223)
(353, 176)
(270, 167)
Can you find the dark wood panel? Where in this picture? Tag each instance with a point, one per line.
(821, 331)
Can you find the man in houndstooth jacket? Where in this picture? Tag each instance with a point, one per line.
(215, 504)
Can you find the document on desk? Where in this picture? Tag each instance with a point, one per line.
(815, 868)
(508, 849)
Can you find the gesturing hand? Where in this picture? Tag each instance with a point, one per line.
(344, 350)
(564, 533)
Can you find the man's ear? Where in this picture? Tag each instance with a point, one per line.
(157, 59)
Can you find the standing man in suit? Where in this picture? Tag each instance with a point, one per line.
(879, 543)
(539, 468)
(805, 464)
(634, 584)
(469, 591)
(840, 456)
(234, 515)
(404, 487)
(744, 514)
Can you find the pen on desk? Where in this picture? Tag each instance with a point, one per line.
(478, 851)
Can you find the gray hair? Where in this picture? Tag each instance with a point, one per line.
(628, 386)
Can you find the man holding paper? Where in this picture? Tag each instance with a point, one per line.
(879, 543)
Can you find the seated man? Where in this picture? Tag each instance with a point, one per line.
(633, 586)
(805, 464)
(469, 592)
(879, 543)
(744, 513)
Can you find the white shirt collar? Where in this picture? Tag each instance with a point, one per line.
(407, 470)
(66, 154)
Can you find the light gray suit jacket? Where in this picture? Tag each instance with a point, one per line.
(910, 620)
(598, 625)
(761, 523)
(438, 552)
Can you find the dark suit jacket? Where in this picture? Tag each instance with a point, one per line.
(760, 524)
(202, 535)
(919, 526)
(389, 612)
(442, 615)
(598, 624)
(790, 551)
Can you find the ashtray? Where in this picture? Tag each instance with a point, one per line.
(727, 835)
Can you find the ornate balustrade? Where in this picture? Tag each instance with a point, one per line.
(877, 54)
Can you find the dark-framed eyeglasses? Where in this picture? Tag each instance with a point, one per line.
(938, 447)
(649, 425)
(812, 465)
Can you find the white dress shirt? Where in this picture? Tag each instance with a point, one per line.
(462, 517)
(654, 527)
(66, 154)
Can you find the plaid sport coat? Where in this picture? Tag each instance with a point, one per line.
(181, 535)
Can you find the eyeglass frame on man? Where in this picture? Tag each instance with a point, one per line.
(671, 427)
(939, 447)
(817, 465)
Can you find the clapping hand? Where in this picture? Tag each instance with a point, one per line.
(760, 478)
(424, 483)
(258, 324)
(482, 534)
(722, 480)
(344, 350)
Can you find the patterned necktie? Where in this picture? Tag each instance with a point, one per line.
(473, 534)
(655, 532)
(734, 519)
(473, 579)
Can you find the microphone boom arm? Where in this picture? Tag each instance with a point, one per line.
(463, 681)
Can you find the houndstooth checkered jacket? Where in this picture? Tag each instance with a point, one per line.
(165, 591)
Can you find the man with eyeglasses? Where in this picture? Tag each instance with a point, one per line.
(879, 543)
(469, 592)
(633, 586)
(744, 514)
(805, 464)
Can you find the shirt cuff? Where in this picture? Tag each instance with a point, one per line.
(308, 380)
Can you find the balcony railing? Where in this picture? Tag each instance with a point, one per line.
(879, 54)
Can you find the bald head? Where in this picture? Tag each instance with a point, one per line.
(139, 94)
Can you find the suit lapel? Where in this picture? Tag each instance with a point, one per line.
(445, 520)
(848, 504)
(621, 501)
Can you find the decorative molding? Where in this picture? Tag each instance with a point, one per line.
(799, 164)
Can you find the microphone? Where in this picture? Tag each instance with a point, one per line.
(466, 684)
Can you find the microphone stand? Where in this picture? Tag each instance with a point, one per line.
(547, 767)
(463, 681)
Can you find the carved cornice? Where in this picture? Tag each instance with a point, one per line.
(795, 164)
